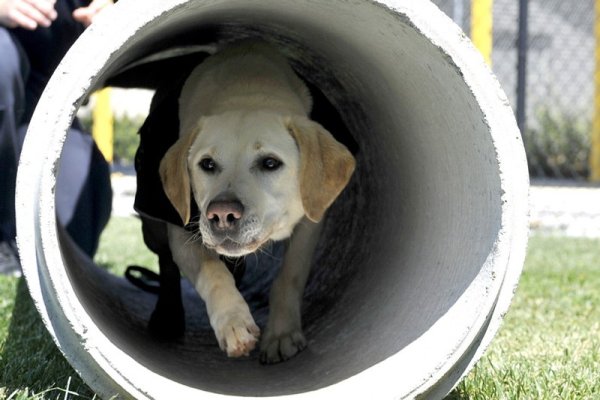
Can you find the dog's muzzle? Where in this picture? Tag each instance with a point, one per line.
(228, 230)
(225, 216)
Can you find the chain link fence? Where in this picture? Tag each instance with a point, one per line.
(559, 88)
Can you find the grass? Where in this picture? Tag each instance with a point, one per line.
(31, 367)
(548, 347)
(128, 249)
(549, 344)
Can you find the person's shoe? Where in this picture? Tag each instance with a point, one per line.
(9, 259)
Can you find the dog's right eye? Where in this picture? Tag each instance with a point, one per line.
(208, 165)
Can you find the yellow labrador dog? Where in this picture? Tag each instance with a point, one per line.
(258, 170)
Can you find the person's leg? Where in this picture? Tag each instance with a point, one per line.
(83, 194)
(12, 103)
(83, 189)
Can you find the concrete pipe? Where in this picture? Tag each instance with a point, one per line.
(419, 258)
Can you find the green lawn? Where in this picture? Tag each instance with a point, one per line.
(548, 347)
(549, 344)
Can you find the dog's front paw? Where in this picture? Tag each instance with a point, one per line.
(237, 333)
(274, 349)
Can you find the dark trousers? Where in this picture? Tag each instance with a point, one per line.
(83, 193)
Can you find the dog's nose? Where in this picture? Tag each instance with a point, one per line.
(224, 215)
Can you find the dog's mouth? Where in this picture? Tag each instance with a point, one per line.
(232, 248)
(246, 238)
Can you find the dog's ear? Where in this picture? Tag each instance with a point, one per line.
(175, 176)
(325, 166)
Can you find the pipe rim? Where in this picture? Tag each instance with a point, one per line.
(37, 222)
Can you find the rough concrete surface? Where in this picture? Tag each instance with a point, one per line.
(405, 300)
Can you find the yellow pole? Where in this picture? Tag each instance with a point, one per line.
(481, 27)
(595, 150)
(102, 126)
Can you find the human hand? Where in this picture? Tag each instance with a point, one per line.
(86, 15)
(28, 14)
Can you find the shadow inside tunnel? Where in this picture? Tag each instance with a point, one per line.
(31, 363)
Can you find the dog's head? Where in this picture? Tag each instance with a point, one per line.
(254, 175)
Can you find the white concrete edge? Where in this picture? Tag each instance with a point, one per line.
(69, 85)
(94, 63)
(512, 168)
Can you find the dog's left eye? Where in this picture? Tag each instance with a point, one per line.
(270, 163)
(208, 165)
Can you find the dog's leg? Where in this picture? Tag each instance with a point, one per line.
(228, 312)
(283, 336)
(167, 321)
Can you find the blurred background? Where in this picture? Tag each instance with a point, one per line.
(545, 54)
(554, 98)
